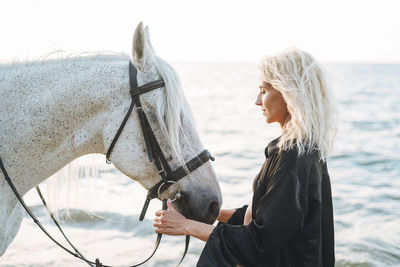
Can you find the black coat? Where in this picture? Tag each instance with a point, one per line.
(292, 217)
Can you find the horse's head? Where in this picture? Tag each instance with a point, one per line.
(171, 120)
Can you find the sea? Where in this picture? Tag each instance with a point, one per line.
(364, 169)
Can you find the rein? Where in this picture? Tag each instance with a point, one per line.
(155, 154)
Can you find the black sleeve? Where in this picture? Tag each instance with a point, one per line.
(230, 245)
(279, 215)
(237, 217)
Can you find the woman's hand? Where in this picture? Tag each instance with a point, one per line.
(170, 221)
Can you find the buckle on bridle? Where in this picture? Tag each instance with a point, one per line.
(161, 171)
(178, 195)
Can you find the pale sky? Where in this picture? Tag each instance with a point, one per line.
(361, 31)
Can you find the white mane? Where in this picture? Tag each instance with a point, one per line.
(170, 109)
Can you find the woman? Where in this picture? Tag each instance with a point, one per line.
(290, 219)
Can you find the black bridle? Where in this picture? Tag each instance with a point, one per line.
(155, 154)
(154, 151)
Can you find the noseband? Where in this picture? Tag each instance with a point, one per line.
(155, 154)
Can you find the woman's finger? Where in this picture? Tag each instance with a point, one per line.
(160, 212)
(169, 221)
(156, 225)
(159, 231)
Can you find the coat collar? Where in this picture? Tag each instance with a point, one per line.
(272, 147)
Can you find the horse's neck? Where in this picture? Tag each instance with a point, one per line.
(54, 112)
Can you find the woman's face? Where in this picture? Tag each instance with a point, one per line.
(272, 104)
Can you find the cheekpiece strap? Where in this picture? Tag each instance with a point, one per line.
(181, 172)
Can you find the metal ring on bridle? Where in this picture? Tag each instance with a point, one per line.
(172, 182)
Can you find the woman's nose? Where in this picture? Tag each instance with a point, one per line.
(258, 100)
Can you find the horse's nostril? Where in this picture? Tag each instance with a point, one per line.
(214, 209)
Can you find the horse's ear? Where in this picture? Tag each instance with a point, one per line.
(140, 50)
(147, 34)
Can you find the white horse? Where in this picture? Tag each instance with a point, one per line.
(55, 111)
